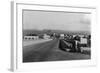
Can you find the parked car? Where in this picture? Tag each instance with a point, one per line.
(67, 45)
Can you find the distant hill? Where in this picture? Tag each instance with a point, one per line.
(47, 31)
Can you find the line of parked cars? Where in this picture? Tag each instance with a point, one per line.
(76, 43)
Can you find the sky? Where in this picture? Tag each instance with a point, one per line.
(67, 21)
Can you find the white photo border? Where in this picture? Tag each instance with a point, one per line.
(17, 63)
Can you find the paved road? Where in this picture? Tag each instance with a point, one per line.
(31, 42)
(49, 51)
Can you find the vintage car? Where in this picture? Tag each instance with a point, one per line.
(67, 45)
